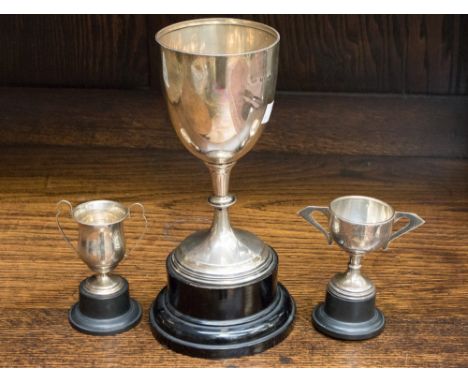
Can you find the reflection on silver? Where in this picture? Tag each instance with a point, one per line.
(101, 240)
(219, 79)
(359, 224)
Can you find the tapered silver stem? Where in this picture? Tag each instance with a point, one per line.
(222, 254)
(354, 263)
(221, 225)
(352, 284)
(220, 174)
(103, 283)
(221, 199)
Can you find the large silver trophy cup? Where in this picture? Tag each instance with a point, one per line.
(222, 298)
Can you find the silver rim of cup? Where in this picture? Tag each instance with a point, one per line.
(366, 198)
(217, 21)
(95, 206)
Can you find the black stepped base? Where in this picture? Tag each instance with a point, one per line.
(105, 315)
(222, 338)
(221, 303)
(348, 320)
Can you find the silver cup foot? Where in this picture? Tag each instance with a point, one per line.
(104, 284)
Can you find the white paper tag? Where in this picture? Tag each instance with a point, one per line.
(266, 116)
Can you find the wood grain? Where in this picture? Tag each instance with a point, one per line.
(421, 280)
(74, 51)
(414, 54)
(307, 124)
(433, 50)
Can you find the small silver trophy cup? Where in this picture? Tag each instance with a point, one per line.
(105, 306)
(359, 225)
(222, 298)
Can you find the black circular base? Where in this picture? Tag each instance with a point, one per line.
(345, 330)
(105, 315)
(222, 338)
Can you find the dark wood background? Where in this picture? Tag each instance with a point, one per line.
(395, 85)
(373, 105)
(404, 54)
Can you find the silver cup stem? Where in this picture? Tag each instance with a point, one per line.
(354, 262)
(222, 255)
(221, 220)
(220, 175)
(352, 284)
(103, 283)
(103, 278)
(221, 200)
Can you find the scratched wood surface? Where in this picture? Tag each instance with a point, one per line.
(421, 281)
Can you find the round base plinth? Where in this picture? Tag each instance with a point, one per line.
(344, 330)
(105, 315)
(222, 338)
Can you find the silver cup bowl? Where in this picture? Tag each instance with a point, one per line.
(361, 224)
(101, 239)
(219, 77)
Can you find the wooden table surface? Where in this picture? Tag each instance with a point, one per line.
(421, 281)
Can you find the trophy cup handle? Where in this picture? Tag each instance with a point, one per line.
(60, 227)
(414, 222)
(144, 230)
(307, 212)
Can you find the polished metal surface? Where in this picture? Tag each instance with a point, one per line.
(359, 225)
(222, 256)
(101, 240)
(352, 284)
(219, 79)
